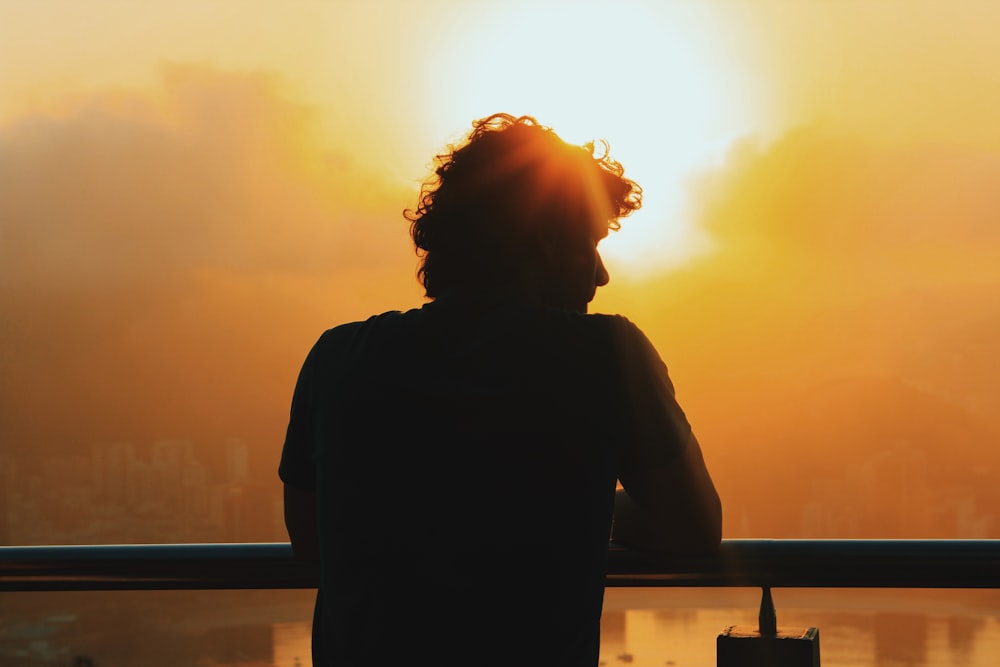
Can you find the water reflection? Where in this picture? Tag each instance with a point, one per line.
(640, 627)
(900, 639)
(250, 645)
(962, 633)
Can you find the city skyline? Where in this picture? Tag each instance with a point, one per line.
(816, 263)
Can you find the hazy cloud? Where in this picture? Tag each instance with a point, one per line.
(846, 321)
(162, 255)
(217, 171)
(836, 204)
(168, 258)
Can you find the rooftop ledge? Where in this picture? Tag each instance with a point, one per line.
(742, 562)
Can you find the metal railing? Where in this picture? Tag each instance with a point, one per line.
(747, 563)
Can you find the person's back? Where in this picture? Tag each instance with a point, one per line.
(464, 458)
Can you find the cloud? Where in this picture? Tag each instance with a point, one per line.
(840, 203)
(835, 256)
(846, 320)
(219, 171)
(166, 257)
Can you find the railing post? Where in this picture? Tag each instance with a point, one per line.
(768, 645)
(767, 618)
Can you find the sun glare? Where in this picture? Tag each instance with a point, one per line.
(627, 72)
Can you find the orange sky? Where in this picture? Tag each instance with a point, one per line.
(190, 192)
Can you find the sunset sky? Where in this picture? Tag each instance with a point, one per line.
(191, 192)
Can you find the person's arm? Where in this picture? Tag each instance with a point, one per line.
(297, 469)
(669, 503)
(669, 508)
(300, 521)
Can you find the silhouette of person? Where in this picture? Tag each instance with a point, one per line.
(453, 467)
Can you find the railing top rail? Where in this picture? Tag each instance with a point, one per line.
(775, 563)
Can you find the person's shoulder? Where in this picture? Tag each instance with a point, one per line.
(620, 324)
(348, 331)
(631, 344)
(344, 340)
(607, 320)
(619, 327)
(373, 320)
(340, 332)
(594, 334)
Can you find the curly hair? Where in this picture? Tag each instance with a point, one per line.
(498, 201)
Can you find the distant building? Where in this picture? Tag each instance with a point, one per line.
(112, 465)
(5, 532)
(237, 461)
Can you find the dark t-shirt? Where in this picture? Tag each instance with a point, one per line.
(464, 457)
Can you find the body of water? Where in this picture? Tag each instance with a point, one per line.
(646, 627)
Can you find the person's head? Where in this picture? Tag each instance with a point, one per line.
(515, 210)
